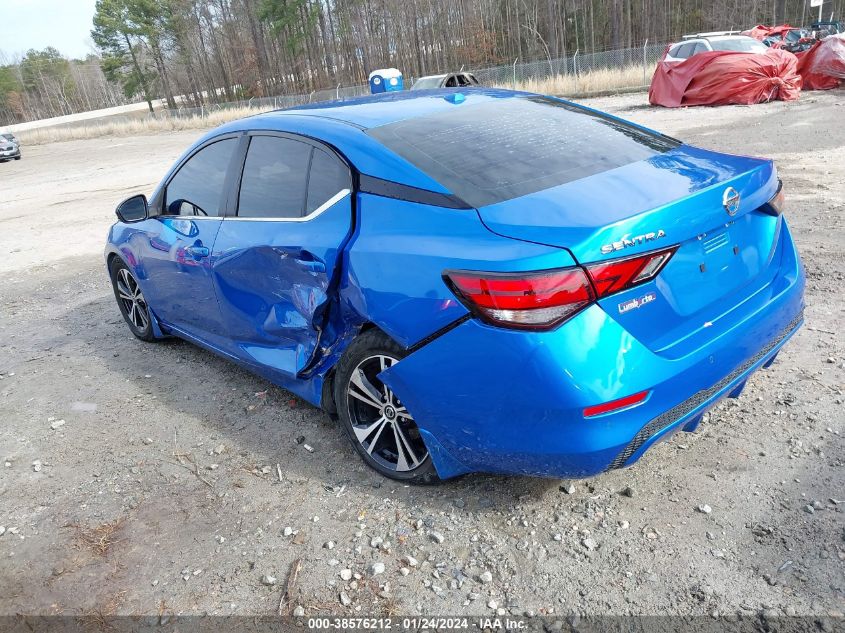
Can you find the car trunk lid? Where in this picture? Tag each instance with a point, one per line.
(676, 198)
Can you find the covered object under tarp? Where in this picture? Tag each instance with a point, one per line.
(823, 66)
(726, 78)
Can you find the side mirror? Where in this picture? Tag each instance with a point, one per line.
(132, 209)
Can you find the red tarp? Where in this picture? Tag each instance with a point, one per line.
(724, 78)
(823, 66)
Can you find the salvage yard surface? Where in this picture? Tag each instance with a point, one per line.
(158, 479)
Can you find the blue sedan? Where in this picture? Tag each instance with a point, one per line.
(475, 280)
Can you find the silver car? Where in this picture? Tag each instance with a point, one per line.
(705, 42)
(9, 147)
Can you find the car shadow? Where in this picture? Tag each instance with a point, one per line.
(262, 422)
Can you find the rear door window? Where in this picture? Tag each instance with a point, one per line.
(685, 50)
(508, 148)
(197, 188)
(700, 47)
(274, 178)
(328, 177)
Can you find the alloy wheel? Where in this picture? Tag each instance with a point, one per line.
(132, 299)
(382, 424)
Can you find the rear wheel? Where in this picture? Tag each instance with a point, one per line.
(381, 428)
(133, 306)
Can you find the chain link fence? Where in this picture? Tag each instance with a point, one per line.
(576, 75)
(625, 68)
(282, 101)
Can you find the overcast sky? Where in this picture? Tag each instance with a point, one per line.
(63, 24)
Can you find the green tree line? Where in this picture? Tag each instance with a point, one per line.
(45, 84)
(198, 52)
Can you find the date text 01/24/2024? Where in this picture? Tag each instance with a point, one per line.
(415, 623)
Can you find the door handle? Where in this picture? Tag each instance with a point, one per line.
(311, 265)
(197, 252)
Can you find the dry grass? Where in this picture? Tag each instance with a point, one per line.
(100, 538)
(597, 81)
(134, 127)
(101, 618)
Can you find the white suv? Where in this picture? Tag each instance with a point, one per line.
(722, 41)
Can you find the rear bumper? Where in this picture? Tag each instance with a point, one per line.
(495, 400)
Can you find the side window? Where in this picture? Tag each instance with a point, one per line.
(197, 188)
(274, 178)
(328, 176)
(685, 51)
(701, 47)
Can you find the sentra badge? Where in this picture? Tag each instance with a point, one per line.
(627, 242)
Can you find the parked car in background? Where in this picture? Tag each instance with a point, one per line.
(826, 27)
(789, 38)
(706, 42)
(503, 282)
(793, 40)
(448, 80)
(9, 147)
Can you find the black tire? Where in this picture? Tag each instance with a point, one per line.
(17, 157)
(139, 319)
(360, 416)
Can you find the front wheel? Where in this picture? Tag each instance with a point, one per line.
(381, 428)
(133, 306)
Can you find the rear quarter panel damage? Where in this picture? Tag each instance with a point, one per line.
(399, 252)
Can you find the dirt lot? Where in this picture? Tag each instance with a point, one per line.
(159, 492)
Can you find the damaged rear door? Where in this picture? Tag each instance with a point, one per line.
(277, 253)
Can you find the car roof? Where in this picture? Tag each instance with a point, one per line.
(712, 38)
(381, 109)
(341, 124)
(719, 38)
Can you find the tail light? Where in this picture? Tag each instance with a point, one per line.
(541, 300)
(777, 203)
(616, 275)
(534, 300)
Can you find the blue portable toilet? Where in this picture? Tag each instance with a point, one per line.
(386, 80)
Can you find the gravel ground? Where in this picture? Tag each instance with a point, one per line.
(147, 479)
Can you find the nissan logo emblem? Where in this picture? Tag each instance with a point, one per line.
(730, 200)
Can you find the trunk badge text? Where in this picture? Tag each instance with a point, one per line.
(730, 200)
(638, 302)
(627, 242)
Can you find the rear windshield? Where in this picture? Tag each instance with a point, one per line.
(500, 150)
(741, 45)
